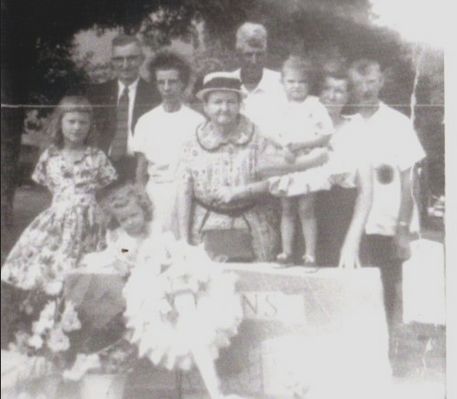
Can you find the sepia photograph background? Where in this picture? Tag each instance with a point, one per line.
(52, 47)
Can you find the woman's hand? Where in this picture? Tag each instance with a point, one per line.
(225, 195)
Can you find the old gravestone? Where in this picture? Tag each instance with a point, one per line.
(315, 333)
(319, 333)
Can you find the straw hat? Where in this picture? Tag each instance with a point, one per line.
(220, 81)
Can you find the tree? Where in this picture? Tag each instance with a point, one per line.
(37, 42)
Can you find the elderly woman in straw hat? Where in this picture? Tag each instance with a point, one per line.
(221, 201)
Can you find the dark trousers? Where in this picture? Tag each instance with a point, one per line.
(380, 252)
(125, 168)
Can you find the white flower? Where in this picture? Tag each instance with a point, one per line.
(32, 278)
(42, 325)
(21, 338)
(46, 320)
(81, 366)
(53, 288)
(35, 341)
(70, 320)
(58, 341)
(49, 310)
(165, 307)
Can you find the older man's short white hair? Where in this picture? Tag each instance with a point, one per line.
(251, 35)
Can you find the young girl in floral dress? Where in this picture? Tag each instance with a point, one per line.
(73, 225)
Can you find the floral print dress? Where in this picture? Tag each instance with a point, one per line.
(72, 226)
(211, 161)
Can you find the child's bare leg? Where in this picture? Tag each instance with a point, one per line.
(308, 224)
(288, 215)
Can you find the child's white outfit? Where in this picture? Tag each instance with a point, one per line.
(175, 297)
(340, 169)
(72, 226)
(300, 122)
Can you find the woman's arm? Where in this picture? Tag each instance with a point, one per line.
(225, 194)
(272, 166)
(349, 255)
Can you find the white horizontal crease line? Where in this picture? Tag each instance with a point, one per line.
(110, 105)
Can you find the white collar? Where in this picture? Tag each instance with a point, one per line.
(131, 87)
(263, 84)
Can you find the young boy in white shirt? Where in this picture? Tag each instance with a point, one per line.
(160, 134)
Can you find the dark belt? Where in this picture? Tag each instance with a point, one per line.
(234, 212)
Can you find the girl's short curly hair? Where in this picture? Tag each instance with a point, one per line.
(70, 104)
(121, 197)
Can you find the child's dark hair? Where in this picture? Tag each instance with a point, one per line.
(121, 196)
(70, 104)
(166, 60)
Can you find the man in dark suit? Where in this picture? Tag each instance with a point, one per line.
(120, 102)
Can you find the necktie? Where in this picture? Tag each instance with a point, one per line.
(119, 143)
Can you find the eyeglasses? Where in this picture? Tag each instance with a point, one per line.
(130, 59)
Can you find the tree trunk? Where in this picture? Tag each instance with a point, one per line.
(17, 52)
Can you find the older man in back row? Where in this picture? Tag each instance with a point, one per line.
(120, 102)
(261, 86)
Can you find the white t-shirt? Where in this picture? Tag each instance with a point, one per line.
(261, 104)
(159, 135)
(299, 122)
(348, 144)
(393, 147)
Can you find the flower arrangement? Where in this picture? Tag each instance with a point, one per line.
(42, 325)
(50, 339)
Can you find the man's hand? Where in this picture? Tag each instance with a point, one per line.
(402, 240)
(349, 255)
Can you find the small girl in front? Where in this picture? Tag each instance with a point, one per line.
(131, 236)
(304, 127)
(74, 224)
